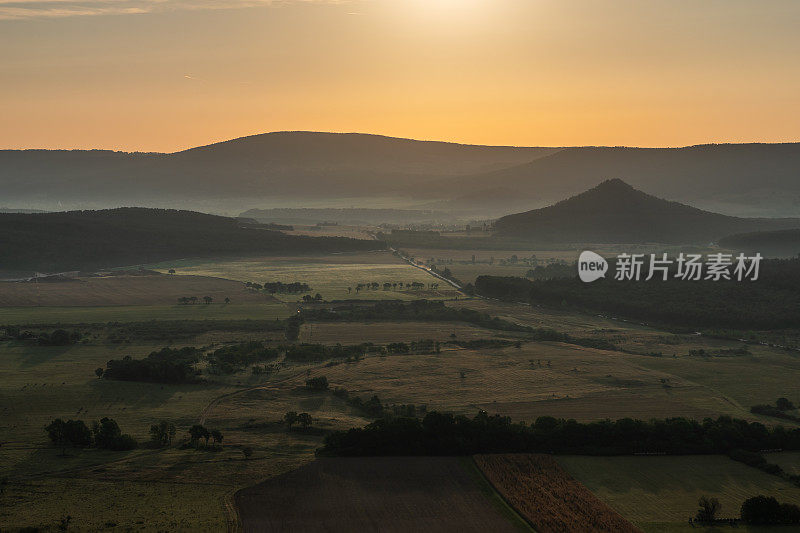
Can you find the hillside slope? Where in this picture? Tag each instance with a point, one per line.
(753, 179)
(615, 212)
(303, 164)
(83, 240)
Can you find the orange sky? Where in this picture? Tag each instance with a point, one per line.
(163, 75)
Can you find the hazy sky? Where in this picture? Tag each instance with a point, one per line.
(169, 74)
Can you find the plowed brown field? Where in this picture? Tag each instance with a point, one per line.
(549, 498)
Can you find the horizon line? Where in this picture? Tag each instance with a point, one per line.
(520, 146)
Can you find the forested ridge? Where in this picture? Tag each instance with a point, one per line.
(84, 240)
(771, 302)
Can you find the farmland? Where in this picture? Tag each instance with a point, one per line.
(427, 494)
(649, 374)
(548, 497)
(661, 493)
(125, 290)
(329, 275)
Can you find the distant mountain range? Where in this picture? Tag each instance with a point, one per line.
(90, 240)
(741, 179)
(615, 212)
(299, 165)
(308, 169)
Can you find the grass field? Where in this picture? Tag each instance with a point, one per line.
(139, 313)
(374, 493)
(185, 489)
(328, 275)
(125, 290)
(660, 493)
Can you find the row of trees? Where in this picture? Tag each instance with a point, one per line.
(207, 300)
(772, 302)
(391, 285)
(277, 287)
(292, 417)
(167, 365)
(446, 434)
(105, 434)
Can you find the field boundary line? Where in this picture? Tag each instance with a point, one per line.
(509, 507)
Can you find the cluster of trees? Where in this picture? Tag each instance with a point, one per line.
(552, 271)
(722, 352)
(446, 434)
(232, 358)
(763, 510)
(373, 407)
(163, 433)
(105, 434)
(318, 383)
(207, 300)
(771, 302)
(58, 337)
(292, 417)
(779, 410)
(168, 365)
(312, 299)
(199, 432)
(320, 352)
(391, 286)
(424, 346)
(418, 310)
(277, 287)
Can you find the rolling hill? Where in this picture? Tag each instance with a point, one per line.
(310, 169)
(86, 240)
(305, 165)
(742, 179)
(615, 212)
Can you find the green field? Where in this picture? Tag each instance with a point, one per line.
(187, 489)
(139, 313)
(329, 275)
(660, 493)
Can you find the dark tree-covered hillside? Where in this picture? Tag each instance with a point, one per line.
(83, 240)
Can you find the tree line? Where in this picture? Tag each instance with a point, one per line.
(446, 434)
(771, 302)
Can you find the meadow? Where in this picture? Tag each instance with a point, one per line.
(651, 373)
(660, 493)
(329, 275)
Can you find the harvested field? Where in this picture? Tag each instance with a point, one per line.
(364, 494)
(154, 289)
(653, 491)
(549, 498)
(385, 332)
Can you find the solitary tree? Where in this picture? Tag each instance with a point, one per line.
(709, 507)
(784, 404)
(98, 372)
(227, 300)
(247, 451)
